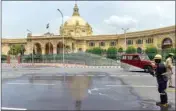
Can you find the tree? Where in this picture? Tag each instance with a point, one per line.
(97, 51)
(17, 49)
(131, 50)
(120, 50)
(89, 50)
(3, 57)
(139, 50)
(151, 51)
(112, 52)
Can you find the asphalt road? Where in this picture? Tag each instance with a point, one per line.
(51, 88)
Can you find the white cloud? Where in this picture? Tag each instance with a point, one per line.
(121, 22)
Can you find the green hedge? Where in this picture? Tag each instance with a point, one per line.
(112, 53)
(151, 52)
(3, 57)
(131, 50)
(120, 50)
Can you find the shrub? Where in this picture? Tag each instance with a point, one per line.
(3, 57)
(112, 52)
(151, 52)
(97, 51)
(120, 50)
(131, 50)
(89, 50)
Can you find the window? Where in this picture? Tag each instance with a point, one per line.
(124, 57)
(113, 43)
(129, 42)
(91, 44)
(102, 44)
(149, 40)
(135, 58)
(83, 31)
(139, 41)
(129, 57)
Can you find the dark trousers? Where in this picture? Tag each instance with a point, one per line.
(162, 85)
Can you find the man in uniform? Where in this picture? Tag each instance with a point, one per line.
(169, 66)
(161, 80)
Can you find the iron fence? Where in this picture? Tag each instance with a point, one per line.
(74, 58)
(87, 58)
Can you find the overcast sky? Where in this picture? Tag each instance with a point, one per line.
(105, 17)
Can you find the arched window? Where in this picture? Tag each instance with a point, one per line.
(91, 44)
(112, 43)
(102, 44)
(139, 41)
(129, 42)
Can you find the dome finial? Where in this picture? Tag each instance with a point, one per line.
(76, 9)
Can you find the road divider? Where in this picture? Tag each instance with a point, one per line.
(17, 109)
(29, 84)
(140, 86)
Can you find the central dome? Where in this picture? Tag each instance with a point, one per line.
(74, 20)
(76, 25)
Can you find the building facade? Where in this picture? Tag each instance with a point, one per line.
(77, 35)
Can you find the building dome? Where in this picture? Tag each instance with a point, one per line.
(76, 25)
(74, 20)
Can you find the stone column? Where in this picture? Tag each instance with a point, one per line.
(43, 50)
(28, 48)
(54, 49)
(84, 46)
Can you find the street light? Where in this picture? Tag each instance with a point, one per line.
(62, 33)
(62, 36)
(125, 36)
(32, 49)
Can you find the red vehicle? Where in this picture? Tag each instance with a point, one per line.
(138, 60)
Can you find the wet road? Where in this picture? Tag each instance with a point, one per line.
(88, 90)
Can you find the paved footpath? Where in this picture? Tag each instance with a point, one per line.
(63, 88)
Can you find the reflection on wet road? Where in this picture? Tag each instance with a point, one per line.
(72, 92)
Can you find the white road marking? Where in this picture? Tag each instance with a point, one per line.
(147, 75)
(142, 86)
(7, 108)
(69, 75)
(91, 75)
(59, 75)
(28, 84)
(135, 75)
(79, 75)
(123, 75)
(113, 75)
(101, 75)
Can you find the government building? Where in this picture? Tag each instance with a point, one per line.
(78, 36)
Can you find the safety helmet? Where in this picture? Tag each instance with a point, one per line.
(158, 56)
(171, 54)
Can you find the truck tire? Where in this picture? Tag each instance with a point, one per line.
(147, 69)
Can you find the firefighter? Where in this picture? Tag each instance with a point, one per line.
(169, 66)
(161, 80)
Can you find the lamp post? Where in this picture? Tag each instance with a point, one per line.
(125, 36)
(32, 49)
(62, 33)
